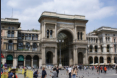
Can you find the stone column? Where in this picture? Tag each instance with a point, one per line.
(70, 57)
(112, 59)
(40, 62)
(55, 57)
(86, 58)
(43, 57)
(105, 60)
(104, 38)
(14, 62)
(32, 62)
(99, 49)
(75, 57)
(55, 30)
(104, 48)
(93, 49)
(24, 61)
(44, 30)
(111, 49)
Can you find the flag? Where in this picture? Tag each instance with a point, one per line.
(2, 55)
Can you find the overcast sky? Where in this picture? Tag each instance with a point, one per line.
(98, 12)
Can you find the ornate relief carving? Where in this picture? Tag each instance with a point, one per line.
(66, 26)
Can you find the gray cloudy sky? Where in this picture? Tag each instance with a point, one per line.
(98, 12)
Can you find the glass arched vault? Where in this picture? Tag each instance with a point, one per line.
(65, 46)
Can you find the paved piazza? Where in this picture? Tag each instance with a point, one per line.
(82, 74)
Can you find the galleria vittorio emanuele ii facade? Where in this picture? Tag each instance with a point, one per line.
(59, 33)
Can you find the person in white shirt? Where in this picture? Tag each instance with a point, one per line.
(69, 71)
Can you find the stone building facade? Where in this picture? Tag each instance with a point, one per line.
(58, 32)
(102, 46)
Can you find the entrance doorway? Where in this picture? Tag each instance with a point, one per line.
(36, 61)
(20, 60)
(64, 46)
(9, 60)
(80, 58)
(28, 60)
(49, 58)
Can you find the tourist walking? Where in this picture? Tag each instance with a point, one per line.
(1, 67)
(74, 73)
(54, 73)
(35, 75)
(77, 71)
(44, 74)
(101, 69)
(105, 69)
(12, 74)
(57, 70)
(69, 71)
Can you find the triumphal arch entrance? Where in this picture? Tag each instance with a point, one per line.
(63, 39)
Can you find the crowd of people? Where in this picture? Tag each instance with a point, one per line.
(71, 71)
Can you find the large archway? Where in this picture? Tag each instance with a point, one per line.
(20, 60)
(28, 60)
(36, 61)
(9, 60)
(90, 60)
(49, 58)
(80, 58)
(65, 39)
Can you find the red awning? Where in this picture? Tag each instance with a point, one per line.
(2, 55)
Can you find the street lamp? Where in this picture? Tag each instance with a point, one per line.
(60, 41)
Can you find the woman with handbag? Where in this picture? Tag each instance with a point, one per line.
(74, 73)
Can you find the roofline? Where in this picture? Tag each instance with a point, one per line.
(61, 14)
(7, 22)
(60, 18)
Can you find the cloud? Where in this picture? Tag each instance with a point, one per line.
(28, 11)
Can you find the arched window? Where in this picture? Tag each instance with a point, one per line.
(20, 45)
(10, 45)
(23, 36)
(96, 40)
(91, 47)
(108, 48)
(27, 46)
(36, 37)
(101, 60)
(90, 60)
(47, 33)
(33, 37)
(8, 35)
(96, 59)
(95, 48)
(35, 46)
(12, 34)
(51, 32)
(29, 36)
(108, 60)
(26, 36)
(12, 27)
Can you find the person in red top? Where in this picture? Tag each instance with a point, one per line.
(101, 69)
(105, 69)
